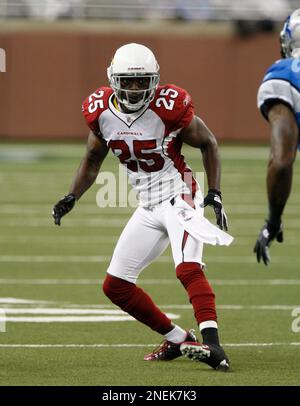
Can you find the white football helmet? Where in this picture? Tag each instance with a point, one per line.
(290, 36)
(129, 61)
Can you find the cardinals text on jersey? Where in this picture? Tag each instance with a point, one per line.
(146, 142)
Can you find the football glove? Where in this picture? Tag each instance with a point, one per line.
(62, 207)
(267, 234)
(214, 199)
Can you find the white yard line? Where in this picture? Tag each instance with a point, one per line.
(44, 209)
(41, 346)
(255, 282)
(53, 258)
(63, 258)
(68, 319)
(82, 222)
(88, 311)
(293, 261)
(243, 241)
(99, 211)
(171, 281)
(34, 239)
(72, 319)
(175, 307)
(236, 307)
(65, 311)
(50, 282)
(120, 222)
(17, 301)
(295, 344)
(79, 309)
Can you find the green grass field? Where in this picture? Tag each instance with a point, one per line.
(59, 328)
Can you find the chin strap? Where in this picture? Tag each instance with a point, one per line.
(116, 104)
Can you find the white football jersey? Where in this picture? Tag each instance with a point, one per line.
(146, 142)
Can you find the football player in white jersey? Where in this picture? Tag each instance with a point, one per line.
(144, 125)
(279, 102)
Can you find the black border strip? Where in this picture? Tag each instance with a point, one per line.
(133, 395)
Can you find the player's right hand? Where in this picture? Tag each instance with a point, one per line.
(267, 234)
(62, 207)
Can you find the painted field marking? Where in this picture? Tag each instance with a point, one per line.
(96, 211)
(62, 314)
(17, 301)
(163, 259)
(235, 307)
(68, 319)
(63, 311)
(98, 310)
(171, 281)
(41, 346)
(238, 225)
(75, 319)
(37, 239)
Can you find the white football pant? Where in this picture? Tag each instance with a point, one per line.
(147, 234)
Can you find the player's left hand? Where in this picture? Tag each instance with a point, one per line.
(214, 199)
(62, 207)
(267, 234)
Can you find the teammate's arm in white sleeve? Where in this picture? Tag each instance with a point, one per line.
(199, 136)
(90, 165)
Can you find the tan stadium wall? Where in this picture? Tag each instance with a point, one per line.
(49, 73)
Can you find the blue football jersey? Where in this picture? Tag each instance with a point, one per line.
(281, 83)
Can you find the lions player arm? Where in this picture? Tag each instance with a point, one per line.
(199, 136)
(284, 141)
(90, 165)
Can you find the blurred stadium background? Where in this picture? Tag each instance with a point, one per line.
(60, 328)
(57, 52)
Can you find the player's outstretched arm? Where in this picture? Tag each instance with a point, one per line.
(85, 176)
(284, 141)
(199, 136)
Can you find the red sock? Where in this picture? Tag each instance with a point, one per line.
(137, 303)
(199, 290)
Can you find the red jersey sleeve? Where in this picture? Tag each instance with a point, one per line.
(94, 105)
(174, 106)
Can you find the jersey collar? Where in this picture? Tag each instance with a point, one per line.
(127, 118)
